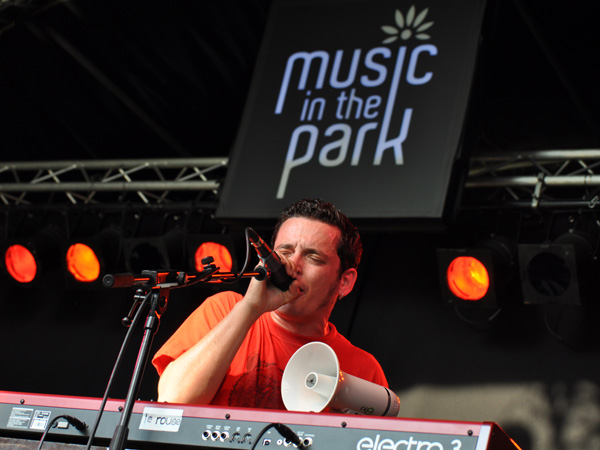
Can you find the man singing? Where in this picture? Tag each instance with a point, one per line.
(233, 349)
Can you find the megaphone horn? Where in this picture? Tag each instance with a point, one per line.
(312, 380)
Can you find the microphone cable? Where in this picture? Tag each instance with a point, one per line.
(78, 424)
(246, 261)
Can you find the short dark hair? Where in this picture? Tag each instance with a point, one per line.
(350, 245)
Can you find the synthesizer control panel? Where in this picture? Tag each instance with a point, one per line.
(159, 425)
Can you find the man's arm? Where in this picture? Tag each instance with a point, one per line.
(196, 376)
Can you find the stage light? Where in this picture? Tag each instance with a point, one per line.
(148, 253)
(83, 263)
(477, 277)
(86, 260)
(31, 261)
(178, 251)
(559, 272)
(219, 247)
(220, 254)
(20, 263)
(468, 278)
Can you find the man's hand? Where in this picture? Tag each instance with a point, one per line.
(263, 296)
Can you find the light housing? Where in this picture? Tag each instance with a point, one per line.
(467, 277)
(560, 272)
(477, 280)
(146, 253)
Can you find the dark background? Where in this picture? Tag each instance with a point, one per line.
(82, 80)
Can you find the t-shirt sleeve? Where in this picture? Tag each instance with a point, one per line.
(378, 376)
(356, 361)
(365, 366)
(194, 328)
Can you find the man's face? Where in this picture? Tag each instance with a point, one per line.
(311, 246)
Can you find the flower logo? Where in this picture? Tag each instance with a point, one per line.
(408, 26)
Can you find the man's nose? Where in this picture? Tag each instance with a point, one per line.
(296, 261)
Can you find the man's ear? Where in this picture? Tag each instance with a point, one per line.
(347, 281)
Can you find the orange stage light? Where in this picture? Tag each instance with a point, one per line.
(20, 263)
(468, 278)
(481, 277)
(83, 263)
(220, 253)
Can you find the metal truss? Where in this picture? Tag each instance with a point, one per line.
(549, 179)
(120, 182)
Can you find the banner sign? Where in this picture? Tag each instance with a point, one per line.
(358, 102)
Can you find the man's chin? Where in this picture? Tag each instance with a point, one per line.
(290, 312)
(287, 309)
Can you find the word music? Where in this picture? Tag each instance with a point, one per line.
(349, 103)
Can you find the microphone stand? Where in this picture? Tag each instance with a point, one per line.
(158, 303)
(160, 284)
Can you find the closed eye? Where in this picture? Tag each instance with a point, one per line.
(285, 250)
(315, 258)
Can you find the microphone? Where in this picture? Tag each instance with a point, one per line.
(271, 260)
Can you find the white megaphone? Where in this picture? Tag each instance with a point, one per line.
(312, 380)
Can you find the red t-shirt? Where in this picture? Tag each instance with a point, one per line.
(254, 376)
